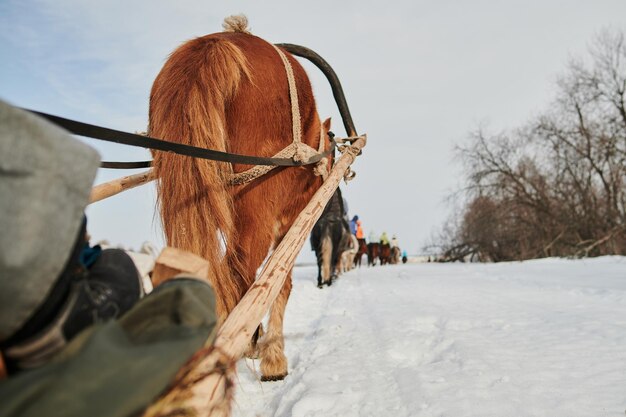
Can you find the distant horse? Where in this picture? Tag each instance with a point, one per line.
(362, 250)
(229, 92)
(329, 239)
(346, 260)
(385, 254)
(373, 250)
(395, 255)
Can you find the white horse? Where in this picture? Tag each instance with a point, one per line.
(347, 257)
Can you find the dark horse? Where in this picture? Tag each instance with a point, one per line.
(230, 92)
(329, 239)
(385, 254)
(373, 249)
(362, 250)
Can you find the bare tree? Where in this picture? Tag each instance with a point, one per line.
(557, 186)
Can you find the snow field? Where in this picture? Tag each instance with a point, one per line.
(538, 338)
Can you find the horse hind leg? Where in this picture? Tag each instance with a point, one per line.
(246, 259)
(272, 345)
(326, 267)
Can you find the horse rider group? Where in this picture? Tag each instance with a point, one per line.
(356, 228)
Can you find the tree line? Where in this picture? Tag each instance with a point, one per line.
(555, 186)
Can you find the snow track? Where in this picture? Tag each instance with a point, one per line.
(540, 338)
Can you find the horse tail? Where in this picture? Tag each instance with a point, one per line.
(188, 105)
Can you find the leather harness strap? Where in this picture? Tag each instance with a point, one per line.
(125, 138)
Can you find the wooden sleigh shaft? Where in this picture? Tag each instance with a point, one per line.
(111, 188)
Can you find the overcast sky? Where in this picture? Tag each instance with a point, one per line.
(418, 76)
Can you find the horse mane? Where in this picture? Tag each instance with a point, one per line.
(334, 208)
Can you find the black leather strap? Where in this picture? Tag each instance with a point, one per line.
(125, 138)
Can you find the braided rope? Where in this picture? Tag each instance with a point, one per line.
(297, 150)
(293, 95)
(204, 386)
(245, 177)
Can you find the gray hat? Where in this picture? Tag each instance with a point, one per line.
(45, 181)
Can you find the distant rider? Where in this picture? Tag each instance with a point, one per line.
(384, 240)
(360, 235)
(353, 224)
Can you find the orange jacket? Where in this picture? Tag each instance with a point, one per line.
(359, 230)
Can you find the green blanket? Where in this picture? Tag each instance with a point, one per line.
(120, 367)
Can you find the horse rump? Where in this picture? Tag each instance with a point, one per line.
(373, 250)
(362, 250)
(329, 239)
(395, 255)
(385, 254)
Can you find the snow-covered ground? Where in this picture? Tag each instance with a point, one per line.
(539, 338)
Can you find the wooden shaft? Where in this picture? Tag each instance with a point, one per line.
(203, 391)
(246, 316)
(111, 188)
(173, 261)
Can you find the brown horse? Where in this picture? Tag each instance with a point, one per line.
(373, 250)
(229, 91)
(362, 250)
(385, 253)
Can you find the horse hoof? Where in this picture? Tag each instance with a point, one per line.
(273, 377)
(320, 286)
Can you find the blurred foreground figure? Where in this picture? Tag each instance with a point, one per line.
(75, 338)
(52, 284)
